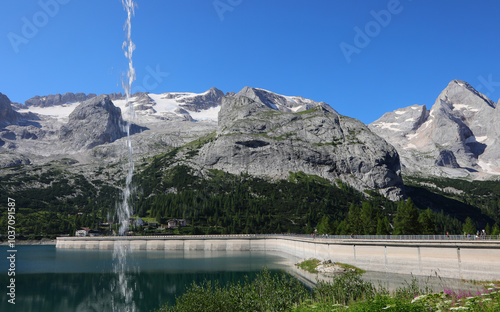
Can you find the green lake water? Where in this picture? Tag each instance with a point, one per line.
(66, 280)
(57, 280)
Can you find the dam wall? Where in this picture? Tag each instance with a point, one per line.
(469, 260)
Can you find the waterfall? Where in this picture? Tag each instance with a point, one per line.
(125, 210)
(122, 286)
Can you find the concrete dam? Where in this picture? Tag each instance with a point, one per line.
(460, 259)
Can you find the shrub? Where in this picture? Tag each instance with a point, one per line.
(344, 289)
(268, 292)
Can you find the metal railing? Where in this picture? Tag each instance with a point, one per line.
(392, 237)
(483, 238)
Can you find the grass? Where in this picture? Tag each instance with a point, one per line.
(198, 143)
(310, 110)
(267, 292)
(300, 176)
(350, 267)
(309, 265)
(147, 219)
(346, 292)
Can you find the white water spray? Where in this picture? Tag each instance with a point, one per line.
(125, 210)
(123, 301)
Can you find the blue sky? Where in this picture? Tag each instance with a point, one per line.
(396, 53)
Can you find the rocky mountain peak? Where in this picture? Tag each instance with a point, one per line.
(93, 122)
(281, 102)
(401, 121)
(7, 115)
(259, 139)
(459, 92)
(213, 91)
(196, 102)
(262, 96)
(457, 137)
(60, 99)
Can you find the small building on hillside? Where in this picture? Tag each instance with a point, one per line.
(81, 233)
(94, 233)
(174, 223)
(140, 222)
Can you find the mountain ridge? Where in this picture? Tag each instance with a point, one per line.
(275, 135)
(462, 125)
(262, 140)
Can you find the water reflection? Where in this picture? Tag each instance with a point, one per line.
(55, 280)
(90, 291)
(51, 279)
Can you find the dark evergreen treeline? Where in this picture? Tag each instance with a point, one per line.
(223, 203)
(460, 198)
(52, 201)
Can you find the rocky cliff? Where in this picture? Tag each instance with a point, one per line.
(57, 99)
(458, 136)
(255, 136)
(93, 122)
(258, 132)
(7, 115)
(198, 102)
(281, 102)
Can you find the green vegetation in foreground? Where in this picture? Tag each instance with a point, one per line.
(309, 265)
(350, 267)
(347, 292)
(268, 292)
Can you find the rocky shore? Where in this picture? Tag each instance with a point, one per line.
(326, 267)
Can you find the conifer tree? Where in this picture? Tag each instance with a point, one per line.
(469, 227)
(488, 229)
(427, 224)
(324, 226)
(495, 230)
(406, 219)
(354, 221)
(383, 226)
(368, 219)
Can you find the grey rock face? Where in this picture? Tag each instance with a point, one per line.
(27, 133)
(257, 138)
(280, 102)
(446, 158)
(142, 101)
(11, 160)
(401, 122)
(206, 100)
(7, 135)
(185, 114)
(7, 115)
(93, 122)
(58, 99)
(112, 96)
(462, 122)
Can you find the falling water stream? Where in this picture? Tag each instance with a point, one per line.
(123, 285)
(128, 47)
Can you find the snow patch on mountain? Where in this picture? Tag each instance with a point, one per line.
(60, 112)
(148, 107)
